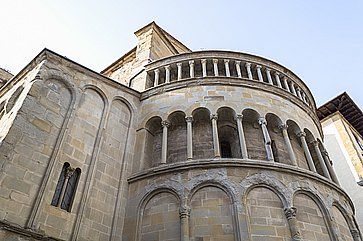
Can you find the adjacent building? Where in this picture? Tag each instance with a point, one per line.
(342, 122)
(166, 144)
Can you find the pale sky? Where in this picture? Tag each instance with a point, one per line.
(320, 41)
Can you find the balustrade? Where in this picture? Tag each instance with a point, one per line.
(224, 67)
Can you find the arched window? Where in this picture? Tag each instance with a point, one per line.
(66, 187)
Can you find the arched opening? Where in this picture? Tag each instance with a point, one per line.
(310, 140)
(265, 215)
(228, 134)
(160, 218)
(278, 145)
(253, 133)
(177, 137)
(292, 130)
(310, 218)
(342, 224)
(202, 134)
(211, 216)
(153, 142)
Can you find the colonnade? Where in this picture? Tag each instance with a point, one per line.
(264, 74)
(320, 152)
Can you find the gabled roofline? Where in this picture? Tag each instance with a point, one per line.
(115, 63)
(45, 54)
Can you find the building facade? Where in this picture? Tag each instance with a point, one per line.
(342, 122)
(166, 144)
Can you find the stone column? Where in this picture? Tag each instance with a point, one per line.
(268, 73)
(277, 78)
(214, 118)
(249, 72)
(204, 67)
(156, 77)
(241, 135)
(184, 214)
(259, 73)
(164, 145)
(321, 159)
(191, 68)
(290, 214)
(238, 68)
(293, 90)
(290, 151)
(179, 65)
(298, 91)
(167, 74)
(68, 173)
(189, 120)
(226, 66)
(329, 166)
(215, 67)
(302, 136)
(263, 123)
(286, 84)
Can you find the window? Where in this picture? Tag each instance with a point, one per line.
(66, 187)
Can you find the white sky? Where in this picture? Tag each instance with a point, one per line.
(321, 41)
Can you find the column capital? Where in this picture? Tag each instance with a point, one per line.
(267, 69)
(184, 211)
(239, 117)
(315, 143)
(283, 126)
(165, 124)
(215, 61)
(285, 78)
(277, 74)
(167, 67)
(248, 64)
(355, 234)
(262, 121)
(238, 62)
(191, 62)
(189, 118)
(69, 172)
(290, 212)
(301, 134)
(179, 64)
(226, 61)
(258, 66)
(203, 61)
(214, 116)
(156, 70)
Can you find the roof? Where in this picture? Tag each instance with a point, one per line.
(346, 106)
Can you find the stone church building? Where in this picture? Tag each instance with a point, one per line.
(166, 144)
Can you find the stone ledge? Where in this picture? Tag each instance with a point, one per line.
(222, 163)
(16, 229)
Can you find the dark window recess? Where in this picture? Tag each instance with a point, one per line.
(58, 189)
(70, 191)
(274, 151)
(226, 151)
(66, 187)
